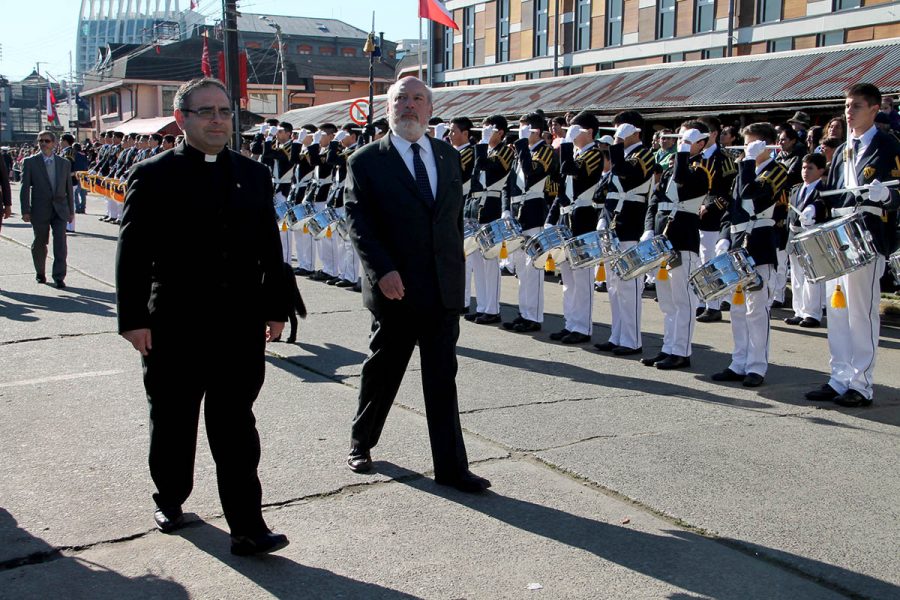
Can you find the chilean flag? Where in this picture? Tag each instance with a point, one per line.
(437, 12)
(51, 109)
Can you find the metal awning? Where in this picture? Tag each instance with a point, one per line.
(154, 125)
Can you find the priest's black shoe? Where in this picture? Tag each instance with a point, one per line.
(623, 351)
(527, 326)
(40, 278)
(559, 335)
(576, 338)
(649, 362)
(753, 380)
(468, 482)
(359, 462)
(809, 323)
(826, 393)
(487, 319)
(852, 399)
(727, 375)
(605, 347)
(674, 362)
(264, 543)
(793, 320)
(472, 316)
(168, 520)
(60, 284)
(709, 316)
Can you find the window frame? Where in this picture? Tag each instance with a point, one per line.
(699, 5)
(503, 10)
(583, 28)
(541, 36)
(469, 36)
(616, 23)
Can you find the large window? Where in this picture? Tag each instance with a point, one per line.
(781, 44)
(614, 11)
(468, 36)
(168, 100)
(326, 50)
(705, 16)
(769, 11)
(845, 4)
(448, 48)
(831, 38)
(262, 104)
(502, 31)
(541, 20)
(714, 52)
(583, 23)
(666, 18)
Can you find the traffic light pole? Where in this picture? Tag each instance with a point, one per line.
(232, 75)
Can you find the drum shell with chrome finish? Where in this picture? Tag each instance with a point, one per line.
(491, 236)
(470, 228)
(894, 262)
(282, 209)
(300, 214)
(546, 244)
(718, 276)
(592, 248)
(320, 222)
(643, 257)
(835, 248)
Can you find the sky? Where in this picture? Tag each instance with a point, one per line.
(44, 30)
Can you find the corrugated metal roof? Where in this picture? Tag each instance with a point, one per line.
(735, 84)
(328, 28)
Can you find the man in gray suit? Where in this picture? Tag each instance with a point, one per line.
(48, 204)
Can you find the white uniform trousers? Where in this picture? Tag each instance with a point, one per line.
(625, 306)
(806, 297)
(531, 284)
(708, 241)
(111, 209)
(470, 274)
(325, 248)
(750, 326)
(284, 234)
(349, 261)
(678, 303)
(578, 297)
(781, 275)
(853, 331)
(487, 285)
(306, 250)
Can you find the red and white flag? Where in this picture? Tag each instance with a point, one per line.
(195, 4)
(51, 106)
(204, 60)
(437, 12)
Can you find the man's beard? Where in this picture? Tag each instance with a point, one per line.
(409, 129)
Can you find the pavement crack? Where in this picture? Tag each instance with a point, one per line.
(57, 337)
(472, 411)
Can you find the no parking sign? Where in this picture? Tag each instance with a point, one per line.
(359, 111)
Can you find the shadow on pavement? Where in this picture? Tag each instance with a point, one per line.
(324, 360)
(19, 306)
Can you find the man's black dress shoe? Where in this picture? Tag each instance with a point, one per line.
(709, 316)
(360, 463)
(700, 310)
(343, 283)
(333, 281)
(527, 326)
(753, 380)
(472, 316)
(468, 482)
(264, 543)
(487, 319)
(60, 284)
(168, 521)
(600, 287)
(357, 287)
(559, 335)
(40, 278)
(793, 320)
(320, 276)
(826, 393)
(623, 351)
(302, 272)
(777, 304)
(727, 375)
(575, 338)
(605, 347)
(725, 306)
(674, 362)
(852, 399)
(809, 323)
(510, 325)
(649, 362)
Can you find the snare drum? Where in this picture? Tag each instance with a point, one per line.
(642, 258)
(718, 277)
(281, 210)
(299, 215)
(592, 248)
(894, 262)
(833, 249)
(343, 228)
(546, 244)
(470, 228)
(320, 222)
(490, 237)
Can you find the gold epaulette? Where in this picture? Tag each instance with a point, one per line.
(551, 188)
(466, 156)
(590, 160)
(708, 166)
(644, 157)
(544, 156)
(505, 155)
(728, 166)
(775, 177)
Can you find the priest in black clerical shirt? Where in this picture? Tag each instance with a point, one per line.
(198, 299)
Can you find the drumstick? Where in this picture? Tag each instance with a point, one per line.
(857, 188)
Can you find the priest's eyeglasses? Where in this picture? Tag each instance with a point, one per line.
(207, 113)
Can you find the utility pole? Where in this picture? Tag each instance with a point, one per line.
(232, 76)
(69, 97)
(278, 40)
(730, 48)
(557, 21)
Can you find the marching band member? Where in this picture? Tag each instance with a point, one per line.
(807, 297)
(279, 151)
(714, 208)
(106, 168)
(581, 166)
(339, 150)
(625, 211)
(303, 176)
(760, 185)
(673, 212)
(534, 170)
(493, 161)
(459, 132)
(790, 154)
(317, 194)
(869, 157)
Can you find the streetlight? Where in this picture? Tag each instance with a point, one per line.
(284, 91)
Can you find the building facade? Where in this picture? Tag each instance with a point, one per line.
(508, 40)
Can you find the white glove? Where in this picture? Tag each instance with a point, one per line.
(626, 129)
(317, 136)
(486, 133)
(722, 247)
(684, 148)
(692, 136)
(808, 216)
(602, 224)
(524, 132)
(302, 135)
(341, 135)
(440, 130)
(608, 140)
(506, 214)
(878, 193)
(264, 128)
(754, 149)
(548, 226)
(573, 132)
(647, 235)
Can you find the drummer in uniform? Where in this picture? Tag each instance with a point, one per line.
(493, 162)
(760, 185)
(581, 166)
(279, 151)
(459, 132)
(625, 211)
(303, 174)
(869, 157)
(528, 204)
(674, 212)
(714, 207)
(340, 149)
(317, 195)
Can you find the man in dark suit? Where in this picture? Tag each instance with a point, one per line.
(223, 280)
(403, 197)
(48, 204)
(5, 194)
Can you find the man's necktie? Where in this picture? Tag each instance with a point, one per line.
(422, 181)
(855, 143)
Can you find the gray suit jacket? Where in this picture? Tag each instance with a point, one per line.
(37, 195)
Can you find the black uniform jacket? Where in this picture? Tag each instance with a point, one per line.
(812, 199)
(285, 156)
(495, 163)
(761, 193)
(723, 170)
(690, 180)
(632, 172)
(337, 157)
(537, 168)
(583, 172)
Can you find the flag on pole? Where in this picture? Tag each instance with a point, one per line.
(195, 4)
(204, 60)
(51, 108)
(437, 12)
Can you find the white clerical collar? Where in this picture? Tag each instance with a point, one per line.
(210, 157)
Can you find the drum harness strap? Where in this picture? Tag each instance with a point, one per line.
(849, 210)
(585, 198)
(637, 194)
(762, 219)
(494, 190)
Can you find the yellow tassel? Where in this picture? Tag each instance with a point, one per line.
(738, 297)
(328, 232)
(601, 273)
(305, 229)
(503, 253)
(283, 226)
(550, 265)
(663, 273)
(837, 298)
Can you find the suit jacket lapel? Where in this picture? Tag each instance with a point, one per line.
(42, 169)
(60, 174)
(865, 159)
(440, 160)
(394, 158)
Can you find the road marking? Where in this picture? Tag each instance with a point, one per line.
(59, 378)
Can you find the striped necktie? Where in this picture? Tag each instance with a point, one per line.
(422, 181)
